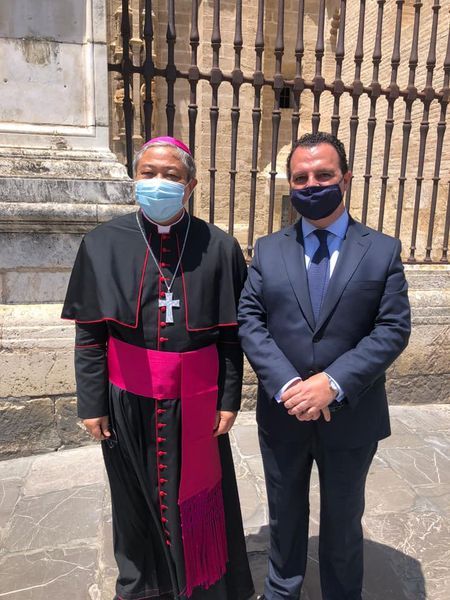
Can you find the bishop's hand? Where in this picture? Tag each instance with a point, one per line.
(98, 427)
(307, 399)
(224, 421)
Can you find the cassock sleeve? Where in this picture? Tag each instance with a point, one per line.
(91, 371)
(231, 360)
(231, 367)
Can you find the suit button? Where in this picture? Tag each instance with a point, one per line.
(311, 372)
(316, 339)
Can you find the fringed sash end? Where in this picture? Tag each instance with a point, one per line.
(204, 538)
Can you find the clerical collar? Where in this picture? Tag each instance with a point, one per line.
(164, 228)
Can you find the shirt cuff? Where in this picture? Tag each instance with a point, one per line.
(340, 395)
(285, 387)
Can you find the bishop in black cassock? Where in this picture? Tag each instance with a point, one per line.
(158, 362)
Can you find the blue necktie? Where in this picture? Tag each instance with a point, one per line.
(318, 272)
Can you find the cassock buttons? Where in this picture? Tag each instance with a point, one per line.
(162, 309)
(163, 339)
(162, 294)
(163, 323)
(162, 278)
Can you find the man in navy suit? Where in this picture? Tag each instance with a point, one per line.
(323, 314)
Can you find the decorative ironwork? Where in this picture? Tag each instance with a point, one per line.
(412, 207)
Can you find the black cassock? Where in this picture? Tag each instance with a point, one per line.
(114, 291)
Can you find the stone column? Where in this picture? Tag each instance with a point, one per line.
(58, 179)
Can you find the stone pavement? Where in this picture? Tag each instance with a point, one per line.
(55, 525)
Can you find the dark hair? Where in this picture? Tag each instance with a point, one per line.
(314, 139)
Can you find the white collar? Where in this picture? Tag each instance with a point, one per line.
(164, 228)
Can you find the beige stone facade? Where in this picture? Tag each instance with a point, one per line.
(326, 106)
(68, 181)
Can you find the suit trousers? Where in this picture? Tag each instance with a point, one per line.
(342, 477)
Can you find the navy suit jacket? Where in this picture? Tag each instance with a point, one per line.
(364, 325)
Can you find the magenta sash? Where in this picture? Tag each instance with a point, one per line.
(192, 377)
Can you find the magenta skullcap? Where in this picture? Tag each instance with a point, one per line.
(169, 140)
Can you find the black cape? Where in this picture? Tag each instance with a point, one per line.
(106, 280)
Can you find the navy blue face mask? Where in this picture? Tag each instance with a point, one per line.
(316, 201)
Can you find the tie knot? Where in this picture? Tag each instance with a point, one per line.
(322, 236)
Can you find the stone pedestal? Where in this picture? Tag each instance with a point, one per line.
(58, 179)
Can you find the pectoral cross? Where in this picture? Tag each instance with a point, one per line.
(169, 304)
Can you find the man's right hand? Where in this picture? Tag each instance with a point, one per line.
(98, 428)
(295, 395)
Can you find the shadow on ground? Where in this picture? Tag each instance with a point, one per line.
(388, 573)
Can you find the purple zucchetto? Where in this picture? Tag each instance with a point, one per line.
(169, 140)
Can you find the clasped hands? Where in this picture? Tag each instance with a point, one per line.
(307, 399)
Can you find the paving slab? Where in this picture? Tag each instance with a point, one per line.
(55, 517)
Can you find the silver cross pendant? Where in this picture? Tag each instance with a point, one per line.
(169, 305)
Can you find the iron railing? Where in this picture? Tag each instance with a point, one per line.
(304, 90)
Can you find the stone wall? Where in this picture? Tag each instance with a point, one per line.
(246, 102)
(58, 179)
(37, 389)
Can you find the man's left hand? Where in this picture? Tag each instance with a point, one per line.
(307, 398)
(224, 421)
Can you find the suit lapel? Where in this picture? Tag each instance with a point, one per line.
(293, 252)
(354, 247)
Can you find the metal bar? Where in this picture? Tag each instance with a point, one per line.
(235, 111)
(407, 122)
(298, 86)
(269, 81)
(258, 82)
(357, 91)
(441, 127)
(278, 85)
(389, 125)
(216, 78)
(444, 257)
(171, 71)
(148, 69)
(193, 76)
(338, 84)
(424, 128)
(319, 81)
(127, 70)
(372, 120)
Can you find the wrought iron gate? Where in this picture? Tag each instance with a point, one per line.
(417, 106)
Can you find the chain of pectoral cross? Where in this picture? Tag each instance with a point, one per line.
(169, 303)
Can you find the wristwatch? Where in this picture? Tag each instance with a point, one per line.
(333, 387)
(335, 405)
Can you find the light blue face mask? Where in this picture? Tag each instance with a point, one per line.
(160, 199)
